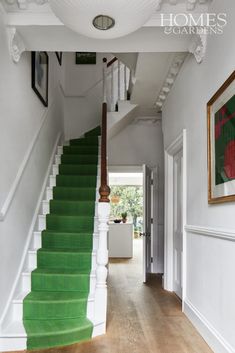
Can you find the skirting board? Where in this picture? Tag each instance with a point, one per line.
(216, 342)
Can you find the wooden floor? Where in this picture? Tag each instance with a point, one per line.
(141, 318)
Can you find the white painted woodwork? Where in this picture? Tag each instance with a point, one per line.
(147, 226)
(120, 240)
(119, 80)
(178, 222)
(101, 271)
(175, 147)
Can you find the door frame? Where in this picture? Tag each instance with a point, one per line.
(179, 143)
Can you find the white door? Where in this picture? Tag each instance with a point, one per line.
(178, 222)
(147, 202)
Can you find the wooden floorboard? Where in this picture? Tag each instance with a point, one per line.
(142, 318)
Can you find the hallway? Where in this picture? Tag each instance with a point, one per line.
(141, 318)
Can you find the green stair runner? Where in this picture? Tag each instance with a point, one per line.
(54, 312)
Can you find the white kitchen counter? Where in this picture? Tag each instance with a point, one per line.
(120, 240)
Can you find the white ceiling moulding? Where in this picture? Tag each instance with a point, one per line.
(170, 79)
(104, 19)
(16, 44)
(175, 6)
(23, 4)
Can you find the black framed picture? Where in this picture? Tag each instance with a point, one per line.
(85, 58)
(59, 55)
(40, 72)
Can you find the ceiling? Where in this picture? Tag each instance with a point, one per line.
(40, 29)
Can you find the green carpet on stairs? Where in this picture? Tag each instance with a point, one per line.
(54, 312)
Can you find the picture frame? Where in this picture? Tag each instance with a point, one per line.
(221, 143)
(59, 55)
(40, 75)
(85, 58)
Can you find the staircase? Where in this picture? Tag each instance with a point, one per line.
(57, 297)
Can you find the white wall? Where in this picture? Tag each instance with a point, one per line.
(83, 95)
(211, 261)
(140, 144)
(22, 117)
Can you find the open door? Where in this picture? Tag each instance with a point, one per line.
(147, 203)
(178, 223)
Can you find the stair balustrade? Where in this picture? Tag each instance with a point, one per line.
(111, 95)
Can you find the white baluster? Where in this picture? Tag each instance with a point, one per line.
(125, 82)
(112, 89)
(119, 80)
(104, 80)
(102, 261)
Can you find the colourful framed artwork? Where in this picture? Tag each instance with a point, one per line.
(40, 72)
(85, 58)
(221, 143)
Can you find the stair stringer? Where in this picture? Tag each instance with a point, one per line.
(12, 332)
(13, 336)
(117, 121)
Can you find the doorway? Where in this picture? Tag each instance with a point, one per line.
(175, 216)
(126, 235)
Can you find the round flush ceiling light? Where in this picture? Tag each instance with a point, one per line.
(103, 22)
(104, 19)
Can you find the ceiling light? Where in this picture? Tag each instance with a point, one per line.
(103, 22)
(104, 19)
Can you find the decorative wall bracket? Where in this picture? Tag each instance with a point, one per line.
(198, 45)
(16, 44)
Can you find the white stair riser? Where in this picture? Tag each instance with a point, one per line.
(52, 182)
(9, 344)
(49, 194)
(32, 260)
(60, 150)
(26, 281)
(57, 159)
(55, 169)
(37, 240)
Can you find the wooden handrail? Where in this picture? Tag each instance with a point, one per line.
(104, 189)
(111, 62)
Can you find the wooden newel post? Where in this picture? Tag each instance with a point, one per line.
(103, 219)
(104, 188)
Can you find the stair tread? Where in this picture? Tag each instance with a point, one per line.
(55, 310)
(62, 271)
(69, 216)
(41, 296)
(59, 326)
(66, 250)
(74, 187)
(64, 232)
